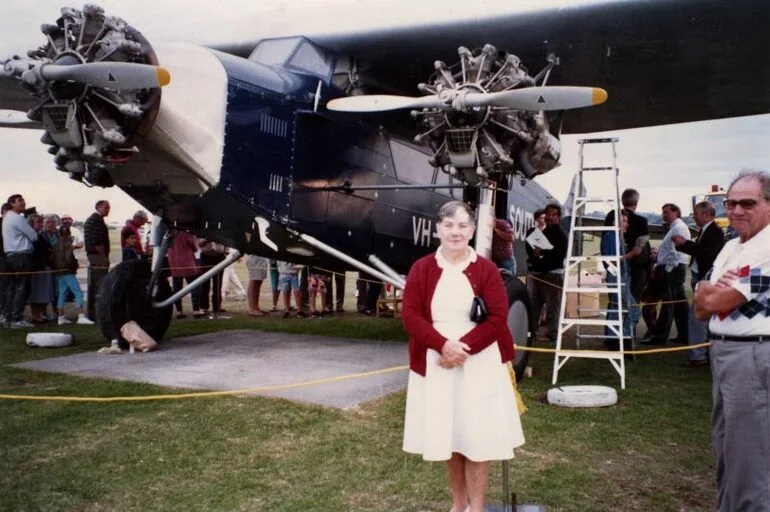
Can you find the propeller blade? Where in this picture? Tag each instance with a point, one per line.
(110, 75)
(8, 117)
(381, 103)
(540, 98)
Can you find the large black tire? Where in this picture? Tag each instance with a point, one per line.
(520, 321)
(122, 296)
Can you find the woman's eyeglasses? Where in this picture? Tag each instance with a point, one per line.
(746, 204)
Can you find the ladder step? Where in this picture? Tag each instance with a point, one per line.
(601, 311)
(601, 337)
(578, 259)
(590, 289)
(592, 354)
(595, 228)
(605, 168)
(599, 140)
(595, 199)
(591, 321)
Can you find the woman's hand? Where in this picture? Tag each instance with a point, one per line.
(453, 354)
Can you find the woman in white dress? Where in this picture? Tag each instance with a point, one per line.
(460, 404)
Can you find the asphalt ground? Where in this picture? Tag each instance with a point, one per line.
(245, 359)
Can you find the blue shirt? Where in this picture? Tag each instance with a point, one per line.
(18, 235)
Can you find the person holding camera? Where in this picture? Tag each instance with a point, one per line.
(460, 404)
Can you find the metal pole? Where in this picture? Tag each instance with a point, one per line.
(229, 260)
(377, 262)
(485, 221)
(506, 491)
(344, 257)
(157, 263)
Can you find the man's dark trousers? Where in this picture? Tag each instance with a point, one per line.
(98, 267)
(674, 306)
(17, 286)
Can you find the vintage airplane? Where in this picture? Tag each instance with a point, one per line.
(302, 147)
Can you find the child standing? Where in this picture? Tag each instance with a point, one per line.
(288, 282)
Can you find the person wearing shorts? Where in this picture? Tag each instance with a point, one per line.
(257, 267)
(288, 283)
(273, 273)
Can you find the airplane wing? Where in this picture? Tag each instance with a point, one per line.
(661, 61)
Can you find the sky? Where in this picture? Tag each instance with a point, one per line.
(666, 164)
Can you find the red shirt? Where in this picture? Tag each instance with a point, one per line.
(130, 228)
(486, 282)
(502, 249)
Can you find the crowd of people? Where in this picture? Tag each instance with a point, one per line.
(39, 265)
(652, 278)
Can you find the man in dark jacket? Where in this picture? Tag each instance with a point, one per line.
(637, 238)
(704, 251)
(97, 240)
(545, 278)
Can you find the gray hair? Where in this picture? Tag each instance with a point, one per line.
(451, 208)
(630, 197)
(707, 207)
(51, 217)
(763, 177)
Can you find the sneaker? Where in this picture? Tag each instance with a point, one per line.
(63, 320)
(21, 324)
(84, 320)
(50, 317)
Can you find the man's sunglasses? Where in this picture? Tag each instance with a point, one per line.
(746, 204)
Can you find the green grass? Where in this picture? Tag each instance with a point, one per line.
(650, 452)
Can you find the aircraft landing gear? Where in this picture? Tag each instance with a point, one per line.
(521, 321)
(123, 297)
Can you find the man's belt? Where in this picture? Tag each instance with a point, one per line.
(754, 339)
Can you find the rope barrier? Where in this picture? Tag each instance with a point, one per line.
(640, 304)
(283, 387)
(633, 352)
(203, 394)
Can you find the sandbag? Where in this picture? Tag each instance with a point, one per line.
(137, 337)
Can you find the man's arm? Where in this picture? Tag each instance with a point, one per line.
(713, 299)
(505, 236)
(721, 297)
(27, 230)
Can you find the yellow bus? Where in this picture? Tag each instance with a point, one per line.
(716, 196)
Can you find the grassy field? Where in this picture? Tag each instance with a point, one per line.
(649, 452)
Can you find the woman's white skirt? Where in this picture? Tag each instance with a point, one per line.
(470, 409)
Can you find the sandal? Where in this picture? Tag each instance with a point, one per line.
(181, 315)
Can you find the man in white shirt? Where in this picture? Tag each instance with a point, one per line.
(18, 237)
(736, 301)
(672, 267)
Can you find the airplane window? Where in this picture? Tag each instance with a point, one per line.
(311, 59)
(411, 164)
(443, 178)
(274, 52)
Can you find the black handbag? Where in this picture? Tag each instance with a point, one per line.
(478, 310)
